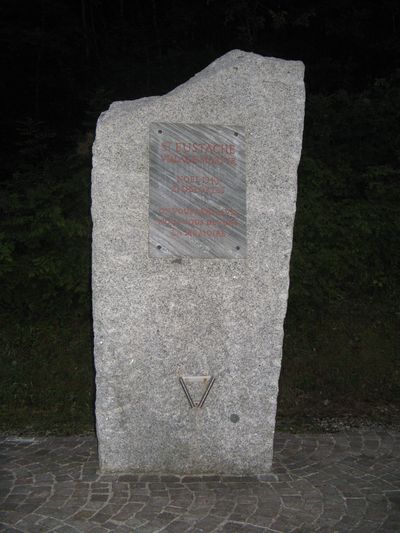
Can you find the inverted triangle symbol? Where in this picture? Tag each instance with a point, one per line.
(196, 384)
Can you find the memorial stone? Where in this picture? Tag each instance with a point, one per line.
(193, 203)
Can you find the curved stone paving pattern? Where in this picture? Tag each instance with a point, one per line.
(348, 481)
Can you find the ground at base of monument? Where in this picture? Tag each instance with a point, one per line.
(382, 417)
(345, 481)
(328, 417)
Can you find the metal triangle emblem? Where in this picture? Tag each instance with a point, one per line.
(202, 383)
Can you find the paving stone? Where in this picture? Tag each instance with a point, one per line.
(319, 483)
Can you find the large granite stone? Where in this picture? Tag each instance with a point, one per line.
(157, 319)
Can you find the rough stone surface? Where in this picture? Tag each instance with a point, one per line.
(156, 319)
(348, 481)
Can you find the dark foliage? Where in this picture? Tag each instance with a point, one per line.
(65, 61)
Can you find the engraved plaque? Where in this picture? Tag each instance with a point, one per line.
(197, 194)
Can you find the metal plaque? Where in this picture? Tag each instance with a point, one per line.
(197, 196)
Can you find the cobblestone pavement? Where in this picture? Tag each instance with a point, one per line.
(347, 481)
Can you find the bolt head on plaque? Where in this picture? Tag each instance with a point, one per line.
(197, 195)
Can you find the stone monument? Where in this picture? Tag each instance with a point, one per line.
(193, 202)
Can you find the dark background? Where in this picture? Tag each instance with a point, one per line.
(63, 62)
